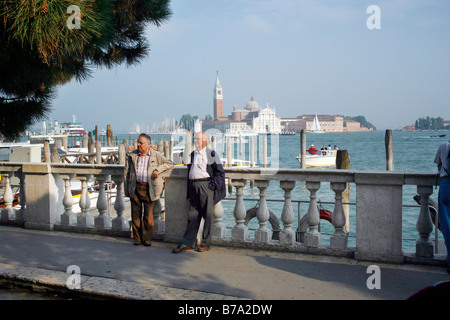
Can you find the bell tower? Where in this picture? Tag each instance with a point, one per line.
(218, 99)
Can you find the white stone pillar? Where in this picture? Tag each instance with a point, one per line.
(339, 239)
(68, 218)
(85, 218)
(424, 246)
(120, 223)
(102, 221)
(240, 230)
(218, 228)
(312, 237)
(287, 235)
(8, 212)
(263, 234)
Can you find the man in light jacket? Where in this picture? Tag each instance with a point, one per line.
(144, 185)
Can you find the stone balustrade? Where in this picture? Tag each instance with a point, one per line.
(47, 202)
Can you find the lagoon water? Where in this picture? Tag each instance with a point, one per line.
(413, 152)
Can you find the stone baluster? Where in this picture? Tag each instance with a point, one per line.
(424, 246)
(263, 234)
(218, 228)
(120, 223)
(312, 237)
(240, 230)
(8, 212)
(287, 235)
(339, 239)
(102, 221)
(21, 214)
(85, 219)
(68, 218)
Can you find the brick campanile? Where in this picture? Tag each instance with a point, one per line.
(218, 99)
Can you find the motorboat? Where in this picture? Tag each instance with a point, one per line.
(321, 158)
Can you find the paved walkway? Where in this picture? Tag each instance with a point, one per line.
(114, 267)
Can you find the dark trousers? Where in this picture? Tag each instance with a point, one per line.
(203, 201)
(142, 214)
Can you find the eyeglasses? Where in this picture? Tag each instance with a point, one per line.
(140, 142)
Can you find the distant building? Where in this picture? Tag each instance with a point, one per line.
(250, 118)
(328, 123)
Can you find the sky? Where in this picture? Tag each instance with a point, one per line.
(297, 56)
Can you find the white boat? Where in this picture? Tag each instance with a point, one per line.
(322, 158)
(73, 153)
(315, 128)
(72, 128)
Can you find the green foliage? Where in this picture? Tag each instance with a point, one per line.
(39, 51)
(362, 120)
(188, 121)
(428, 123)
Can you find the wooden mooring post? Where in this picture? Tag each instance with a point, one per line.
(389, 150)
(302, 149)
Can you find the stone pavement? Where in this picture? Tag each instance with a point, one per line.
(114, 268)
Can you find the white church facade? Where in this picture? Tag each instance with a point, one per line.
(251, 119)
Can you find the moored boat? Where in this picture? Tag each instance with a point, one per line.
(322, 158)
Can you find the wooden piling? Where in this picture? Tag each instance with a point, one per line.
(85, 140)
(213, 143)
(187, 148)
(229, 153)
(343, 163)
(302, 149)
(166, 150)
(65, 141)
(160, 145)
(109, 135)
(122, 154)
(98, 152)
(54, 154)
(265, 151)
(389, 150)
(90, 143)
(46, 151)
(252, 152)
(171, 148)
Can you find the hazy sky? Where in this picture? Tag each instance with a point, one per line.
(299, 56)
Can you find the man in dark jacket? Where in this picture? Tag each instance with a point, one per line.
(206, 187)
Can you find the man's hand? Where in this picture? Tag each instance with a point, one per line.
(154, 174)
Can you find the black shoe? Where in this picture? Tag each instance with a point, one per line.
(136, 243)
(181, 248)
(147, 244)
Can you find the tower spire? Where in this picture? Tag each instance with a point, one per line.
(218, 99)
